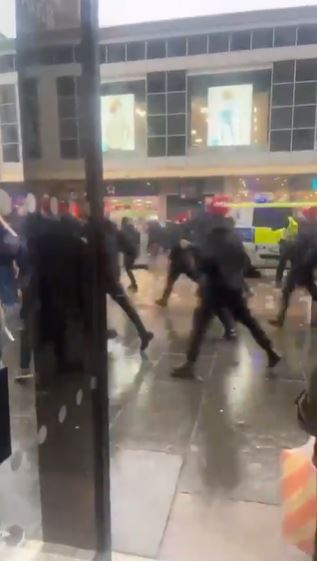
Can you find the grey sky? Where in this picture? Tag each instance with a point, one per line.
(119, 12)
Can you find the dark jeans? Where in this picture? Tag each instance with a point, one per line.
(128, 265)
(118, 294)
(237, 306)
(283, 258)
(292, 281)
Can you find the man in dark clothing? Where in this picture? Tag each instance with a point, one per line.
(302, 254)
(185, 259)
(223, 266)
(115, 241)
(130, 253)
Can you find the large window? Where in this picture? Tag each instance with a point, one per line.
(229, 109)
(123, 118)
(9, 129)
(293, 115)
(68, 94)
(166, 108)
(31, 118)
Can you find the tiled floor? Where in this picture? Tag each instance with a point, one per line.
(194, 467)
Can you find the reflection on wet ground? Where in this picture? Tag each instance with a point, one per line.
(195, 467)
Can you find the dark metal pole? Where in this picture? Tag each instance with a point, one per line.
(94, 175)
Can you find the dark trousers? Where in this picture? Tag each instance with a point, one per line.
(119, 295)
(209, 307)
(128, 265)
(223, 314)
(292, 281)
(283, 258)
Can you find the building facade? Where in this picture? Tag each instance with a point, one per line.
(189, 108)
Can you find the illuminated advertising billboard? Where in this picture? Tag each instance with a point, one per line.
(230, 115)
(118, 122)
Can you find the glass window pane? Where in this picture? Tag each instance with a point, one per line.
(156, 126)
(157, 146)
(218, 43)
(283, 94)
(46, 55)
(305, 94)
(262, 38)
(197, 44)
(68, 128)
(29, 87)
(156, 49)
(176, 81)
(176, 46)
(280, 141)
(136, 50)
(102, 54)
(156, 104)
(284, 71)
(304, 116)
(7, 93)
(307, 35)
(67, 107)
(9, 133)
(64, 55)
(303, 139)
(176, 146)
(7, 63)
(116, 52)
(176, 124)
(69, 149)
(176, 103)
(240, 41)
(281, 118)
(156, 82)
(285, 36)
(306, 70)
(8, 114)
(10, 153)
(66, 85)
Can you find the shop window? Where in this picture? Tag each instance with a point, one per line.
(157, 126)
(307, 35)
(116, 52)
(156, 82)
(157, 146)
(262, 38)
(305, 94)
(176, 81)
(156, 104)
(281, 118)
(176, 124)
(136, 50)
(197, 45)
(176, 145)
(306, 70)
(303, 139)
(285, 36)
(280, 141)
(284, 71)
(282, 94)
(240, 41)
(176, 46)
(176, 103)
(218, 43)
(156, 49)
(304, 116)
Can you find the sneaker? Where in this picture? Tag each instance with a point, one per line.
(184, 372)
(145, 340)
(24, 374)
(274, 359)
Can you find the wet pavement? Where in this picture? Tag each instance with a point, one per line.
(194, 466)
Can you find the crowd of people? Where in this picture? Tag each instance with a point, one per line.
(45, 266)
